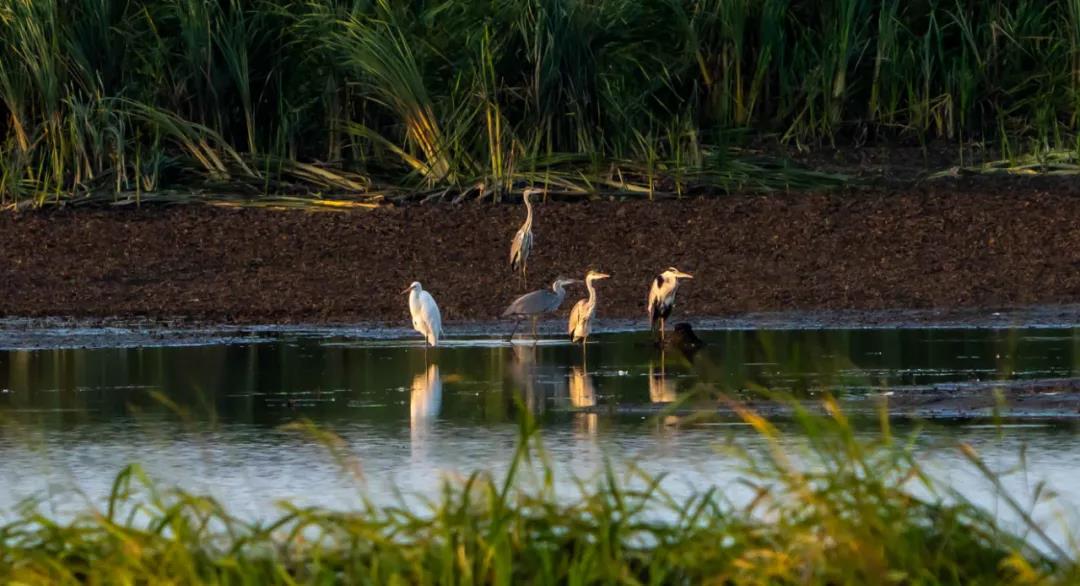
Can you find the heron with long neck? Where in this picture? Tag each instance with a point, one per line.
(535, 304)
(584, 310)
(662, 297)
(521, 246)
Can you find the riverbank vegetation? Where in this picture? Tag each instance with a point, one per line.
(372, 99)
(825, 505)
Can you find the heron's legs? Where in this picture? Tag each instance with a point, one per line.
(517, 322)
(535, 338)
(661, 332)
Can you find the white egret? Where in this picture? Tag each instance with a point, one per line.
(425, 314)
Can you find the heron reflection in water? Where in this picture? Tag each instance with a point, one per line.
(583, 396)
(661, 389)
(424, 404)
(535, 380)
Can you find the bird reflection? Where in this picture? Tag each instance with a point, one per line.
(582, 392)
(424, 403)
(661, 389)
(582, 396)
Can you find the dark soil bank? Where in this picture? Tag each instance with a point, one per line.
(924, 247)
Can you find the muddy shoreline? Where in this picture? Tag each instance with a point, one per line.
(945, 245)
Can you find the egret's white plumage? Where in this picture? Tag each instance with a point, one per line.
(662, 296)
(521, 246)
(581, 316)
(426, 318)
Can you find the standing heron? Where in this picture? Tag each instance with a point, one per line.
(662, 297)
(425, 314)
(523, 240)
(533, 305)
(582, 314)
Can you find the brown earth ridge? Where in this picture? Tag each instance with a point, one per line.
(948, 245)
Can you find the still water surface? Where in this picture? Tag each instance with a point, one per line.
(209, 416)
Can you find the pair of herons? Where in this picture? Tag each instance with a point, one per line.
(427, 320)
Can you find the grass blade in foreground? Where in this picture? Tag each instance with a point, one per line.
(830, 508)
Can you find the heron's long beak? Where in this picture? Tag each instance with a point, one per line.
(684, 276)
(407, 289)
(601, 276)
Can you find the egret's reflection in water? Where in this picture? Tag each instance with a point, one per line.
(425, 400)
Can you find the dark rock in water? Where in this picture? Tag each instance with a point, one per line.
(684, 340)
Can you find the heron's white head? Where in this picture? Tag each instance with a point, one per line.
(531, 191)
(594, 275)
(674, 273)
(561, 282)
(414, 287)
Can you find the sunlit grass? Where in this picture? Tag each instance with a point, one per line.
(828, 506)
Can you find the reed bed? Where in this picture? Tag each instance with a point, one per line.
(831, 506)
(104, 100)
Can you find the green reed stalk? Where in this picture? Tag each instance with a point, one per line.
(441, 94)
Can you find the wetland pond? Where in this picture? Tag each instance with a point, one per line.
(206, 412)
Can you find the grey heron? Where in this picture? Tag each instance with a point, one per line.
(425, 313)
(582, 314)
(523, 239)
(533, 305)
(662, 297)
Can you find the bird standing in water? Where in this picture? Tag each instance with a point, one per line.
(521, 246)
(425, 314)
(582, 314)
(533, 305)
(662, 297)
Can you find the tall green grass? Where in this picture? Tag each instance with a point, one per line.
(374, 98)
(829, 506)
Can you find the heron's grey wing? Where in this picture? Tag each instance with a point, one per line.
(515, 247)
(654, 295)
(656, 300)
(529, 303)
(576, 315)
(519, 248)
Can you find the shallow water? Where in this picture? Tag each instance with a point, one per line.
(207, 414)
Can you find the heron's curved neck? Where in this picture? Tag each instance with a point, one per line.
(592, 292)
(528, 212)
